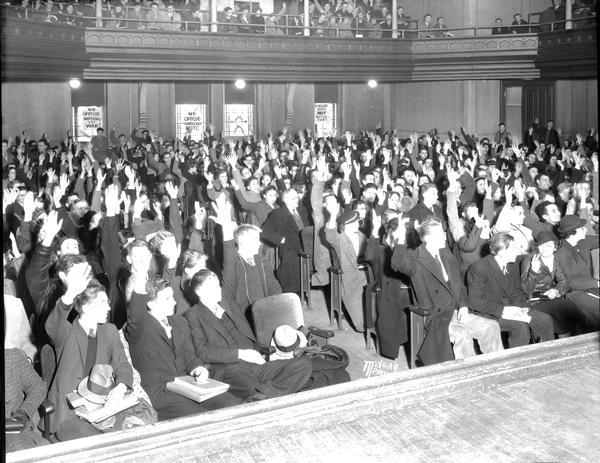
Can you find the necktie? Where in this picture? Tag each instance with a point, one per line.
(250, 260)
(297, 218)
(439, 261)
(167, 326)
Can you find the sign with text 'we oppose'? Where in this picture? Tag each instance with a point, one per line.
(190, 120)
(87, 120)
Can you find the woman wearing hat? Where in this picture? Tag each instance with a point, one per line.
(391, 318)
(545, 283)
(574, 256)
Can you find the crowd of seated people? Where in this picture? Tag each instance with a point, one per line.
(340, 18)
(140, 255)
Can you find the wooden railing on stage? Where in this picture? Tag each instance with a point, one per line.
(203, 435)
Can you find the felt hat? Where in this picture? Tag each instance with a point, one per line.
(569, 223)
(285, 340)
(347, 217)
(97, 385)
(544, 237)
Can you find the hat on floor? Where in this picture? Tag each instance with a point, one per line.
(569, 223)
(285, 340)
(96, 387)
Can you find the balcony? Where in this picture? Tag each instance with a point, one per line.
(38, 51)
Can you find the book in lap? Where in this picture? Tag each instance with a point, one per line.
(95, 413)
(199, 392)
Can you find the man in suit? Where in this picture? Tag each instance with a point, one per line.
(246, 273)
(495, 291)
(519, 25)
(172, 19)
(436, 278)
(499, 28)
(426, 208)
(224, 340)
(549, 136)
(161, 349)
(282, 228)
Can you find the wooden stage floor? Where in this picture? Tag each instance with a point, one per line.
(364, 362)
(534, 403)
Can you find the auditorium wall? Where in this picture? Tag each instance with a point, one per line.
(576, 104)
(36, 108)
(122, 105)
(475, 105)
(409, 107)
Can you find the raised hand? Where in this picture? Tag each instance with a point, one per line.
(222, 210)
(28, 206)
(508, 194)
(9, 197)
(138, 207)
(63, 182)
(376, 221)
(199, 215)
(100, 177)
(402, 229)
(172, 190)
(209, 176)
(126, 200)
(76, 282)
(51, 175)
(138, 188)
(50, 228)
(129, 173)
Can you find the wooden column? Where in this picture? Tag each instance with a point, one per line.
(306, 19)
(569, 15)
(143, 103)
(98, 13)
(394, 19)
(213, 15)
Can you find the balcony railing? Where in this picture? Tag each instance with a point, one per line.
(58, 47)
(280, 24)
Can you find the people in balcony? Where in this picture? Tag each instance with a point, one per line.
(345, 27)
(440, 29)
(519, 25)
(499, 28)
(426, 27)
(361, 23)
(153, 18)
(245, 24)
(258, 21)
(171, 20)
(191, 16)
(386, 27)
(135, 17)
(554, 14)
(228, 23)
(374, 28)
